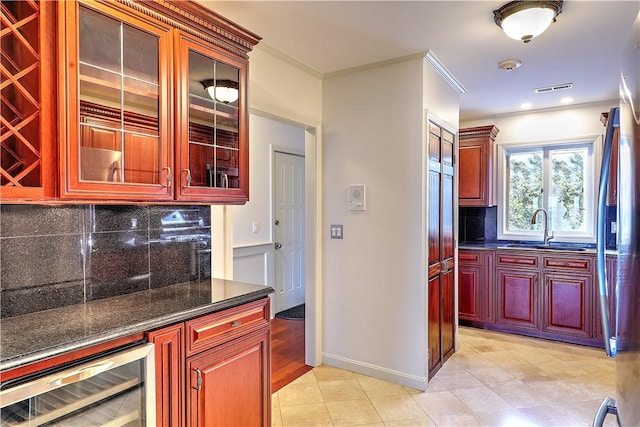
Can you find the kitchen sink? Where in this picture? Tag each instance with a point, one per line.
(554, 247)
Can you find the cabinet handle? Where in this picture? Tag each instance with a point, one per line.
(188, 171)
(482, 196)
(169, 177)
(236, 323)
(198, 380)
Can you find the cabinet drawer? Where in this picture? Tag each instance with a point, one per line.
(521, 260)
(567, 264)
(217, 328)
(469, 257)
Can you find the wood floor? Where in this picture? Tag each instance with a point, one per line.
(287, 352)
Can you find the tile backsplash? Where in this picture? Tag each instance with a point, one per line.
(52, 256)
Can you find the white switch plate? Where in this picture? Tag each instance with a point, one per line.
(357, 197)
(255, 226)
(336, 231)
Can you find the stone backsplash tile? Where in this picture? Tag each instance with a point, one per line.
(36, 220)
(60, 255)
(41, 260)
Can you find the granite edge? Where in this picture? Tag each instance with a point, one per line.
(148, 325)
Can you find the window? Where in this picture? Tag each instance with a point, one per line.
(555, 176)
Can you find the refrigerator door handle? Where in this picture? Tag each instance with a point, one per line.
(608, 337)
(608, 406)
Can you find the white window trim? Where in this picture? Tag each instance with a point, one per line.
(593, 171)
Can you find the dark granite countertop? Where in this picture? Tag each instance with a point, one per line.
(36, 336)
(575, 248)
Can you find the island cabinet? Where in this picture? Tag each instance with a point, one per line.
(145, 101)
(27, 109)
(215, 369)
(518, 281)
(475, 287)
(441, 261)
(476, 152)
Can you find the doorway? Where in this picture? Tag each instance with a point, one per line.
(289, 229)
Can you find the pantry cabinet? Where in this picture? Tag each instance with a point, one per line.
(441, 262)
(476, 152)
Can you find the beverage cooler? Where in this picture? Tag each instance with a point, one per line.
(115, 389)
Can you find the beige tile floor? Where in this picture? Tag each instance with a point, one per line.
(493, 380)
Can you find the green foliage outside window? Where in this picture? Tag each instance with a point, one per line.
(565, 199)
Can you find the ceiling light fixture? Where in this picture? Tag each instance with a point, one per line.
(524, 20)
(222, 90)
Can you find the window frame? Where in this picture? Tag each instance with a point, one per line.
(592, 176)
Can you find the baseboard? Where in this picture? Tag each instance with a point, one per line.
(402, 378)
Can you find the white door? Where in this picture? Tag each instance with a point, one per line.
(288, 198)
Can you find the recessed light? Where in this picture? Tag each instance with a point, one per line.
(566, 100)
(525, 105)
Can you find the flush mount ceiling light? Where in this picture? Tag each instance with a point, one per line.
(524, 20)
(222, 90)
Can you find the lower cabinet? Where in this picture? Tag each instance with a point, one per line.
(542, 294)
(441, 329)
(517, 297)
(215, 370)
(227, 384)
(475, 286)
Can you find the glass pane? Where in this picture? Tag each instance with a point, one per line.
(566, 203)
(99, 40)
(202, 166)
(119, 108)
(100, 87)
(227, 167)
(140, 54)
(141, 99)
(525, 189)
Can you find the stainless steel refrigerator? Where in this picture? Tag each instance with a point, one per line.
(621, 325)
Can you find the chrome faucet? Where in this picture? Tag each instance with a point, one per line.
(547, 236)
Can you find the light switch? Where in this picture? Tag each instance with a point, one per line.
(336, 231)
(255, 227)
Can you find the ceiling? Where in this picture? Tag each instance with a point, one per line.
(583, 47)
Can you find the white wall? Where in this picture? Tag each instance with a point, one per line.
(264, 133)
(547, 125)
(562, 124)
(375, 313)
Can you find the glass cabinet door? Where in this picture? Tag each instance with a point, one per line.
(212, 140)
(118, 104)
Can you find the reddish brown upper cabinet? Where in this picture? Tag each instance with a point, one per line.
(475, 166)
(27, 107)
(612, 183)
(141, 103)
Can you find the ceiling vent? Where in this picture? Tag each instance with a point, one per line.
(553, 88)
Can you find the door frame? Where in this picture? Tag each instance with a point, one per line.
(313, 232)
